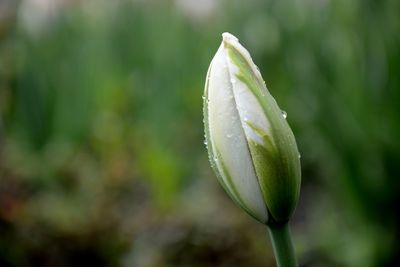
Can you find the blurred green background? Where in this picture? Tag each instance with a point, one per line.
(102, 161)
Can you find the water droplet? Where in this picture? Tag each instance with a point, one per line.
(203, 97)
(205, 141)
(284, 114)
(299, 156)
(233, 81)
(245, 119)
(229, 135)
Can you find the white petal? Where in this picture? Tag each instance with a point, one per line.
(248, 106)
(228, 136)
(250, 110)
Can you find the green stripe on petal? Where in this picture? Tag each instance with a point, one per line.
(285, 179)
(267, 164)
(279, 199)
(264, 136)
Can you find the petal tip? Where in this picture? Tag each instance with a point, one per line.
(229, 38)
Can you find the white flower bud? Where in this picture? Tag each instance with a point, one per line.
(251, 147)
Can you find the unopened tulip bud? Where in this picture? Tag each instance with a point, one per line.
(251, 146)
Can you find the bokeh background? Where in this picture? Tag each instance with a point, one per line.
(102, 161)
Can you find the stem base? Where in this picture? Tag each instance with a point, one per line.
(282, 245)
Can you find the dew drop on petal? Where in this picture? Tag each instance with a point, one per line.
(229, 135)
(284, 114)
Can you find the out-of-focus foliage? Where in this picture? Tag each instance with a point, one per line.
(101, 153)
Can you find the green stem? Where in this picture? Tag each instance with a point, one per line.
(282, 244)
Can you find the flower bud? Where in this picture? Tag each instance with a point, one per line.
(250, 144)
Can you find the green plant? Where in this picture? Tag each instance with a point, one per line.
(250, 144)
